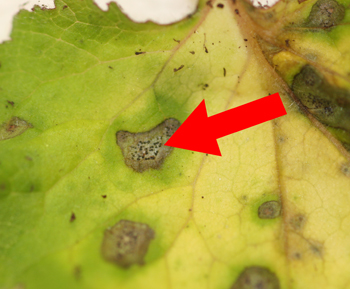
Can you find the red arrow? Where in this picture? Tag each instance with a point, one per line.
(200, 132)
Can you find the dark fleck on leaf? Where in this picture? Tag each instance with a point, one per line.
(220, 5)
(177, 69)
(72, 218)
(209, 3)
(139, 52)
(11, 103)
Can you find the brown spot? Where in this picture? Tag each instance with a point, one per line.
(72, 218)
(256, 278)
(224, 71)
(287, 42)
(205, 86)
(110, 67)
(192, 52)
(237, 11)
(178, 41)
(14, 127)
(209, 3)
(269, 210)
(126, 243)
(104, 196)
(245, 39)
(146, 150)
(220, 5)
(139, 52)
(64, 7)
(205, 49)
(297, 222)
(177, 69)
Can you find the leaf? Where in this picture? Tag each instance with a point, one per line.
(272, 212)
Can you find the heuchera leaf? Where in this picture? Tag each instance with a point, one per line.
(89, 196)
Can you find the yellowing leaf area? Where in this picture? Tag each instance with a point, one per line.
(91, 199)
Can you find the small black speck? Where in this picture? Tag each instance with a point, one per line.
(110, 67)
(139, 52)
(72, 218)
(202, 197)
(104, 196)
(192, 52)
(177, 69)
(224, 71)
(206, 49)
(64, 7)
(245, 39)
(220, 5)
(237, 11)
(287, 42)
(178, 41)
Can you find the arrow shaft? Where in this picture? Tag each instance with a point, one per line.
(246, 116)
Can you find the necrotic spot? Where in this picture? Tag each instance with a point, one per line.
(269, 210)
(14, 127)
(297, 222)
(126, 243)
(329, 104)
(146, 150)
(256, 278)
(326, 13)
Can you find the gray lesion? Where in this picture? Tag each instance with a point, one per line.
(325, 14)
(126, 243)
(14, 127)
(328, 103)
(269, 210)
(256, 277)
(146, 150)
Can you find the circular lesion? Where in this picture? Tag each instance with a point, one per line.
(146, 150)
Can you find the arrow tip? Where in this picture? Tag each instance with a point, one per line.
(194, 134)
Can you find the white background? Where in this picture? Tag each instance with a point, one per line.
(160, 11)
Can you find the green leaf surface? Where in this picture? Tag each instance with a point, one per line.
(74, 76)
